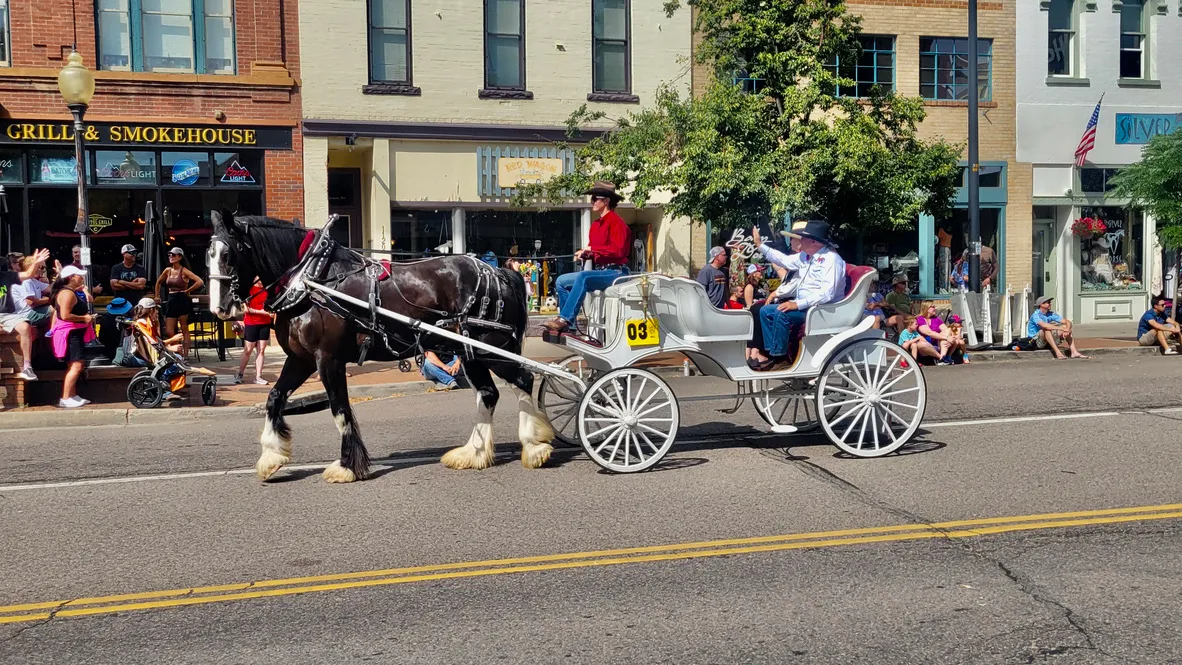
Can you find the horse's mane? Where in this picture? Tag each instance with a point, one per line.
(274, 242)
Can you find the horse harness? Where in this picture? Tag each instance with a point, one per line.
(292, 293)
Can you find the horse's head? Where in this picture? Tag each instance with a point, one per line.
(231, 270)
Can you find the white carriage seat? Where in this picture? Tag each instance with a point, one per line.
(836, 317)
(691, 316)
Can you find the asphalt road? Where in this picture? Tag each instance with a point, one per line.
(1001, 535)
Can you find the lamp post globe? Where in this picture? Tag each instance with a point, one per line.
(75, 81)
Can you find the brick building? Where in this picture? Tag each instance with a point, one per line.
(196, 107)
(919, 48)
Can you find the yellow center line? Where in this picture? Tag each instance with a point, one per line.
(214, 594)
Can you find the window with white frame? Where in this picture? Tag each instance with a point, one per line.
(184, 36)
(389, 41)
(5, 39)
(1134, 61)
(1061, 38)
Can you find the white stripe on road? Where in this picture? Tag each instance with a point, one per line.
(431, 458)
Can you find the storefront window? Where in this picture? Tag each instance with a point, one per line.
(185, 169)
(238, 169)
(952, 239)
(889, 252)
(10, 166)
(1112, 260)
(118, 167)
(186, 215)
(12, 222)
(115, 220)
(417, 232)
(55, 167)
(512, 233)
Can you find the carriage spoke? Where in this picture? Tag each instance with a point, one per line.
(852, 382)
(886, 424)
(653, 430)
(842, 403)
(865, 421)
(901, 404)
(656, 449)
(893, 415)
(654, 409)
(619, 439)
(843, 391)
(607, 440)
(605, 410)
(874, 427)
(897, 379)
(887, 374)
(859, 411)
(849, 413)
(901, 392)
(592, 435)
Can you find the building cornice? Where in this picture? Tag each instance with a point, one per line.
(263, 76)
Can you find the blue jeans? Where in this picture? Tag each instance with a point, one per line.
(436, 374)
(777, 327)
(573, 286)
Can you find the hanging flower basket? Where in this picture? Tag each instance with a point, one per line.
(1088, 227)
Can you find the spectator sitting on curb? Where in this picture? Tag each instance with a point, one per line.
(1156, 327)
(442, 374)
(913, 342)
(898, 303)
(936, 333)
(1049, 329)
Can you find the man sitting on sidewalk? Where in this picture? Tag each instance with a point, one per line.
(1157, 328)
(440, 372)
(1049, 329)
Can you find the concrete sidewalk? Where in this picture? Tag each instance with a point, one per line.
(379, 380)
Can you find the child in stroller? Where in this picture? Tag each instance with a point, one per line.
(167, 370)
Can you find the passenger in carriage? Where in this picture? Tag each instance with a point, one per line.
(789, 280)
(608, 247)
(822, 281)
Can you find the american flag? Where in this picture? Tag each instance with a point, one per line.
(1088, 140)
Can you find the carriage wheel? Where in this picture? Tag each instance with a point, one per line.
(799, 411)
(628, 420)
(879, 395)
(145, 392)
(560, 399)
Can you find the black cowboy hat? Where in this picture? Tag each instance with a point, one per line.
(816, 229)
(604, 188)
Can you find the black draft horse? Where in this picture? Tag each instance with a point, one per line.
(457, 292)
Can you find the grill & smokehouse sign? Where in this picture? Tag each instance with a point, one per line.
(18, 132)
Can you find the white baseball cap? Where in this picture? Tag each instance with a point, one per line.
(147, 303)
(71, 270)
(177, 250)
(128, 249)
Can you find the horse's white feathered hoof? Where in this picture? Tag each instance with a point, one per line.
(534, 455)
(468, 457)
(335, 473)
(270, 462)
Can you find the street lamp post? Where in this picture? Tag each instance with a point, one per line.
(76, 84)
(974, 167)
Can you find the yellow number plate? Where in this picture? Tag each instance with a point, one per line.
(642, 332)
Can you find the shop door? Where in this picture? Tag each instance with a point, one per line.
(344, 199)
(1044, 280)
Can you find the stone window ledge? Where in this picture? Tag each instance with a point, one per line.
(489, 93)
(1138, 83)
(613, 97)
(1069, 81)
(948, 103)
(391, 89)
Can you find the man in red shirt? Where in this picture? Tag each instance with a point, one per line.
(608, 247)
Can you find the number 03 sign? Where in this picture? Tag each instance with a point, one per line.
(643, 332)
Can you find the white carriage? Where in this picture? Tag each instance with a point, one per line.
(866, 393)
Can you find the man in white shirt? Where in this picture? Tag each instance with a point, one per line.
(822, 281)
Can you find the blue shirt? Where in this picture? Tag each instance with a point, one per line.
(1033, 329)
(907, 336)
(1143, 327)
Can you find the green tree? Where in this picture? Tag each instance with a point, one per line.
(794, 145)
(1154, 185)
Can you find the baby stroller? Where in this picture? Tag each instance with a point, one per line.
(169, 373)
